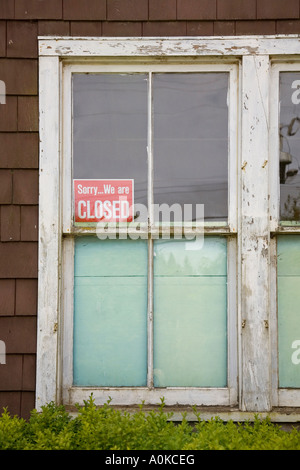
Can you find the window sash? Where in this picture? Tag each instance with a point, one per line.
(152, 228)
(127, 395)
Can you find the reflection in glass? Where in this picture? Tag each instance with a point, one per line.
(289, 146)
(191, 141)
(110, 128)
(190, 313)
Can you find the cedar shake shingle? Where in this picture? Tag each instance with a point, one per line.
(19, 150)
(26, 297)
(277, 9)
(5, 187)
(25, 187)
(84, 10)
(22, 39)
(196, 10)
(18, 260)
(10, 223)
(20, 76)
(127, 10)
(7, 296)
(38, 9)
(236, 9)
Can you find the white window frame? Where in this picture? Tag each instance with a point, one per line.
(252, 324)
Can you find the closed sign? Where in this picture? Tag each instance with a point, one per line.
(103, 200)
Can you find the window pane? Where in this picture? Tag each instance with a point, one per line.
(190, 313)
(110, 128)
(288, 310)
(191, 141)
(110, 312)
(290, 146)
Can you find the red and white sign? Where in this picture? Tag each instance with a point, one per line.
(103, 200)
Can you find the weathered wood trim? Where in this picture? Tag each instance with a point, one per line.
(49, 232)
(135, 396)
(254, 236)
(168, 47)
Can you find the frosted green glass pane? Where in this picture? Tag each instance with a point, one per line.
(288, 310)
(110, 313)
(190, 314)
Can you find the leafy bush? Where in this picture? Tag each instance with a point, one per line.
(107, 428)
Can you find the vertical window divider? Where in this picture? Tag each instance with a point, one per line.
(150, 383)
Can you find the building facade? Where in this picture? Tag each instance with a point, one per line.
(193, 102)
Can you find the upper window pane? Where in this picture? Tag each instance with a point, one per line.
(290, 146)
(191, 141)
(110, 128)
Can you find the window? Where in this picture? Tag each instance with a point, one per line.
(285, 78)
(156, 296)
(163, 299)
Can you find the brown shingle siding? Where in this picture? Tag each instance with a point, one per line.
(7, 297)
(18, 150)
(28, 373)
(9, 115)
(5, 186)
(122, 28)
(255, 27)
(18, 260)
(53, 28)
(22, 39)
(26, 297)
(288, 27)
(277, 9)
(127, 10)
(162, 10)
(196, 9)
(29, 223)
(19, 335)
(25, 187)
(224, 28)
(11, 374)
(236, 9)
(20, 76)
(10, 223)
(164, 28)
(28, 113)
(2, 38)
(84, 10)
(200, 28)
(7, 9)
(86, 28)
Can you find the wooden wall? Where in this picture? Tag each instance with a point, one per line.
(21, 21)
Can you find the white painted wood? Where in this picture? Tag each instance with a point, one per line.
(172, 396)
(166, 47)
(66, 356)
(49, 232)
(289, 397)
(254, 236)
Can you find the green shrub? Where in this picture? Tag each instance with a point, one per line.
(106, 428)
